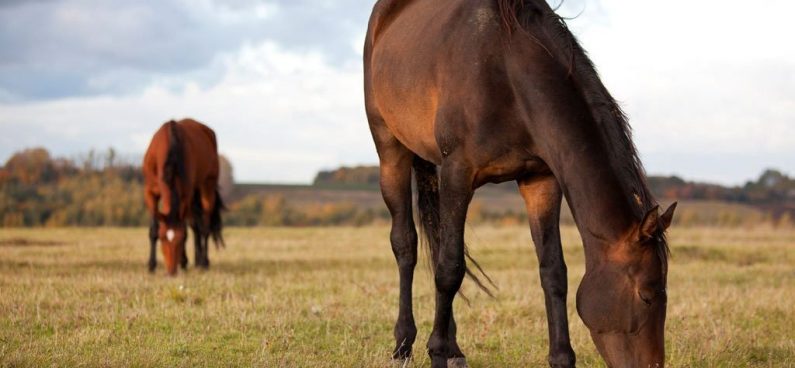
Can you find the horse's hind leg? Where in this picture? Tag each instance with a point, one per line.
(542, 196)
(207, 197)
(183, 260)
(454, 196)
(200, 230)
(396, 161)
(428, 199)
(197, 243)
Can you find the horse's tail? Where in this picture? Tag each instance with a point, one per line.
(173, 168)
(216, 225)
(427, 182)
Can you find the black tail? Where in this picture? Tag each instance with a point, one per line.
(215, 221)
(173, 168)
(428, 209)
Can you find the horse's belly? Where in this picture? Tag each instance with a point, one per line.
(416, 133)
(409, 112)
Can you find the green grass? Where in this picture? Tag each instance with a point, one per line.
(327, 297)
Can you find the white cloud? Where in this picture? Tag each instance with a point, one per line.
(707, 82)
(280, 116)
(708, 85)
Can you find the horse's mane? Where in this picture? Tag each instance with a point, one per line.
(173, 168)
(538, 21)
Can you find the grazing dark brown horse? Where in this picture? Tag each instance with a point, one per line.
(181, 169)
(478, 91)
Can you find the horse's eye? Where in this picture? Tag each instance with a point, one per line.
(647, 295)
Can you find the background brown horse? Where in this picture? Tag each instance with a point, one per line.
(181, 170)
(470, 92)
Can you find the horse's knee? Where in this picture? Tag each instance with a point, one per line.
(437, 345)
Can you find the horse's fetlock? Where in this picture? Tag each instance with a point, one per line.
(563, 359)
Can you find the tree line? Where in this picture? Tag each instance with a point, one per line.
(92, 190)
(772, 188)
(104, 189)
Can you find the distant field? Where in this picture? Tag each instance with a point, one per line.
(327, 297)
(496, 201)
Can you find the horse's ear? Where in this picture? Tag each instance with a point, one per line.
(649, 224)
(668, 217)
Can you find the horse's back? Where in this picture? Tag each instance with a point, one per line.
(200, 132)
(201, 149)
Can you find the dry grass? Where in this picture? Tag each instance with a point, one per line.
(327, 298)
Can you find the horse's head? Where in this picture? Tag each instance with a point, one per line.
(172, 235)
(622, 297)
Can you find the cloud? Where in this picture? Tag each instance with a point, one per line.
(708, 99)
(81, 47)
(708, 85)
(279, 115)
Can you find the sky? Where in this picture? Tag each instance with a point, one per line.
(709, 86)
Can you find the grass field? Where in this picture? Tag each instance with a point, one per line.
(327, 297)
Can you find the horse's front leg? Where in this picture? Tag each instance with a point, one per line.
(183, 260)
(153, 235)
(542, 196)
(151, 199)
(454, 197)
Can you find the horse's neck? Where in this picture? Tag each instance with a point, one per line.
(601, 208)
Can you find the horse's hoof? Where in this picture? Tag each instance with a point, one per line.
(438, 362)
(459, 362)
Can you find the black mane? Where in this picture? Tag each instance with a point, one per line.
(173, 169)
(538, 21)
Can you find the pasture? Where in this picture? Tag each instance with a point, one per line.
(327, 297)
